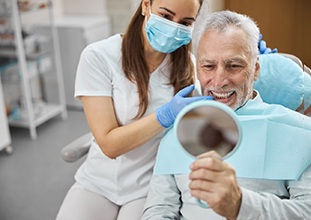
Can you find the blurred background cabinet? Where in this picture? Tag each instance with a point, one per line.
(285, 24)
(26, 64)
(75, 32)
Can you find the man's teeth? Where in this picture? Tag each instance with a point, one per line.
(222, 95)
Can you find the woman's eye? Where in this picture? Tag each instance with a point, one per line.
(186, 23)
(166, 16)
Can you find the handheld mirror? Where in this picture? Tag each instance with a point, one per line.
(208, 125)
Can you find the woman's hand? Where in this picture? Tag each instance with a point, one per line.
(262, 47)
(167, 113)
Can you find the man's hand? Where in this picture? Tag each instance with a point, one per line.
(214, 181)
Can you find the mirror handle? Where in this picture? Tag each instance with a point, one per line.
(202, 203)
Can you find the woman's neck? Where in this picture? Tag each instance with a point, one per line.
(153, 59)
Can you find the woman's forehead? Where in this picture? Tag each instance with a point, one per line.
(185, 8)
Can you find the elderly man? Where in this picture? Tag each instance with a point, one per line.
(227, 66)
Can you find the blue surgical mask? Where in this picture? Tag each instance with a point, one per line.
(166, 36)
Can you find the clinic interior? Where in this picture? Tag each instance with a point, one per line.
(34, 177)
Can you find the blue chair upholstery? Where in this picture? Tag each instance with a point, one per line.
(280, 81)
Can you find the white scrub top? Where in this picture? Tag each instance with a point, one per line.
(100, 73)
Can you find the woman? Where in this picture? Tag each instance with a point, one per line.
(124, 82)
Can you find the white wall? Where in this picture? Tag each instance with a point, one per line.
(84, 7)
(118, 10)
(215, 5)
(134, 4)
(120, 13)
(58, 7)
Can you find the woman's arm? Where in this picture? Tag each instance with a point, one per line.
(113, 139)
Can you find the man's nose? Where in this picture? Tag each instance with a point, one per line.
(220, 78)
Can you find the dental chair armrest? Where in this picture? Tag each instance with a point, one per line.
(77, 149)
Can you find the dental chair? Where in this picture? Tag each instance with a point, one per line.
(281, 75)
(77, 148)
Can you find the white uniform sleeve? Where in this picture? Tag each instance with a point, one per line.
(266, 206)
(93, 77)
(163, 201)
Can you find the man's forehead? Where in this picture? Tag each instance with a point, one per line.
(223, 47)
(237, 59)
(230, 35)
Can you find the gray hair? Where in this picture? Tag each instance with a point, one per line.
(221, 20)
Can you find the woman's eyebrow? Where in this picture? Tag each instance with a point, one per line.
(166, 9)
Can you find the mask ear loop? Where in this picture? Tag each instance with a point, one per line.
(149, 10)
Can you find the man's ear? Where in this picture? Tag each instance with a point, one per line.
(257, 69)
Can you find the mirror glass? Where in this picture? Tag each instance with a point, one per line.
(210, 126)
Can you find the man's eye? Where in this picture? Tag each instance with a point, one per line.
(234, 66)
(208, 67)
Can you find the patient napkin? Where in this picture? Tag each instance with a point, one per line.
(276, 144)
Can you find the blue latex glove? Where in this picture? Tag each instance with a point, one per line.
(262, 47)
(167, 113)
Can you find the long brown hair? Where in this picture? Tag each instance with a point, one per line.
(135, 66)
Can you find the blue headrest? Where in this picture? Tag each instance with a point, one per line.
(307, 91)
(281, 81)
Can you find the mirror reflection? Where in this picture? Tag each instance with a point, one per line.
(207, 128)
